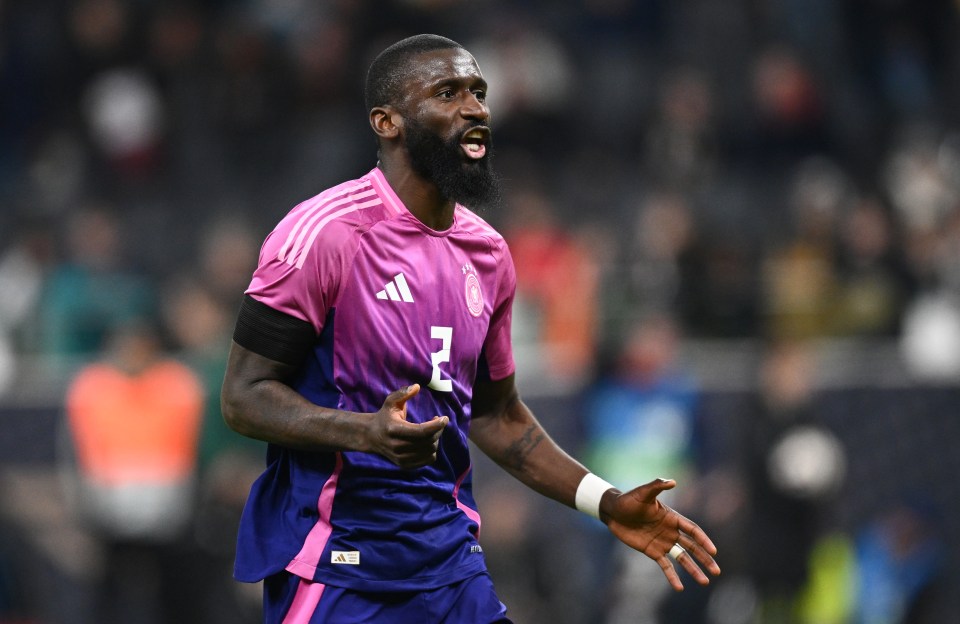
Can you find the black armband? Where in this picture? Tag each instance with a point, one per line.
(272, 333)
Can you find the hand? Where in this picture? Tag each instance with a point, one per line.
(408, 445)
(645, 524)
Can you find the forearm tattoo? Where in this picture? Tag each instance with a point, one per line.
(516, 454)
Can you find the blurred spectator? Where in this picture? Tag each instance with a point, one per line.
(92, 290)
(900, 566)
(891, 570)
(175, 36)
(665, 267)
(874, 281)
(318, 44)
(24, 264)
(922, 176)
(681, 144)
(930, 342)
(640, 415)
(98, 35)
(250, 91)
(100, 28)
(200, 326)
(792, 465)
(530, 77)
(640, 421)
(719, 291)
(788, 121)
(199, 309)
(799, 273)
(829, 594)
(557, 285)
(227, 254)
(124, 116)
(134, 422)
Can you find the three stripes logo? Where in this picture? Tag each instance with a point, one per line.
(396, 290)
(345, 557)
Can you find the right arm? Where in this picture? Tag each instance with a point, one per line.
(257, 401)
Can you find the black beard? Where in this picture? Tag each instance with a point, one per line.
(471, 183)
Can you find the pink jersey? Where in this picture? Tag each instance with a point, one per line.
(393, 303)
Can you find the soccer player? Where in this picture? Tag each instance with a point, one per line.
(373, 340)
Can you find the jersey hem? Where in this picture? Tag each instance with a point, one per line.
(447, 577)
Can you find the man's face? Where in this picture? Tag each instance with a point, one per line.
(445, 128)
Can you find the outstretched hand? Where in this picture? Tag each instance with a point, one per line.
(641, 521)
(407, 444)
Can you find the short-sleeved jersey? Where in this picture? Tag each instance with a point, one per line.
(393, 303)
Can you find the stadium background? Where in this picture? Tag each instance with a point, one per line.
(752, 172)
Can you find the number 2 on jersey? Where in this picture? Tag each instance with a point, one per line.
(445, 335)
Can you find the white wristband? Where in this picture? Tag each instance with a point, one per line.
(589, 493)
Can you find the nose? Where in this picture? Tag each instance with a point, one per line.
(473, 108)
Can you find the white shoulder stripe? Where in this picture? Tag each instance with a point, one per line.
(291, 246)
(310, 215)
(390, 199)
(298, 248)
(298, 259)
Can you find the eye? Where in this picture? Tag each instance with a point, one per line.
(446, 94)
(480, 94)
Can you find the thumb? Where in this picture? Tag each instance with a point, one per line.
(436, 424)
(657, 487)
(397, 400)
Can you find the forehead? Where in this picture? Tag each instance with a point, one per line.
(437, 66)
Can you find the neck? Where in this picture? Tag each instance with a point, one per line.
(420, 196)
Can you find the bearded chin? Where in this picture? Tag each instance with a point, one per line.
(473, 184)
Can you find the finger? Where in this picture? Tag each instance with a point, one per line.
(704, 558)
(436, 425)
(688, 563)
(416, 438)
(416, 455)
(700, 554)
(415, 446)
(398, 398)
(692, 529)
(415, 460)
(670, 572)
(421, 432)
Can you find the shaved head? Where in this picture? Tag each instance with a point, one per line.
(389, 71)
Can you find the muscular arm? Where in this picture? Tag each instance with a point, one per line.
(507, 431)
(257, 402)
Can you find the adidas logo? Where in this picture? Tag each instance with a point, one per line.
(348, 557)
(396, 290)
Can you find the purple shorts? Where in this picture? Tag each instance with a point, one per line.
(289, 599)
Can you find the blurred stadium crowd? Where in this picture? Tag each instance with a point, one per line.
(736, 225)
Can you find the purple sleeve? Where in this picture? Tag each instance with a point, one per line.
(498, 347)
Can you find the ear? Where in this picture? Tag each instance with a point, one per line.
(386, 122)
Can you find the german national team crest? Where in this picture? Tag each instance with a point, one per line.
(471, 289)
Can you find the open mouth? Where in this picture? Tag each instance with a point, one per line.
(474, 142)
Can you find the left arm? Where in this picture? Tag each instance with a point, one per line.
(505, 429)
